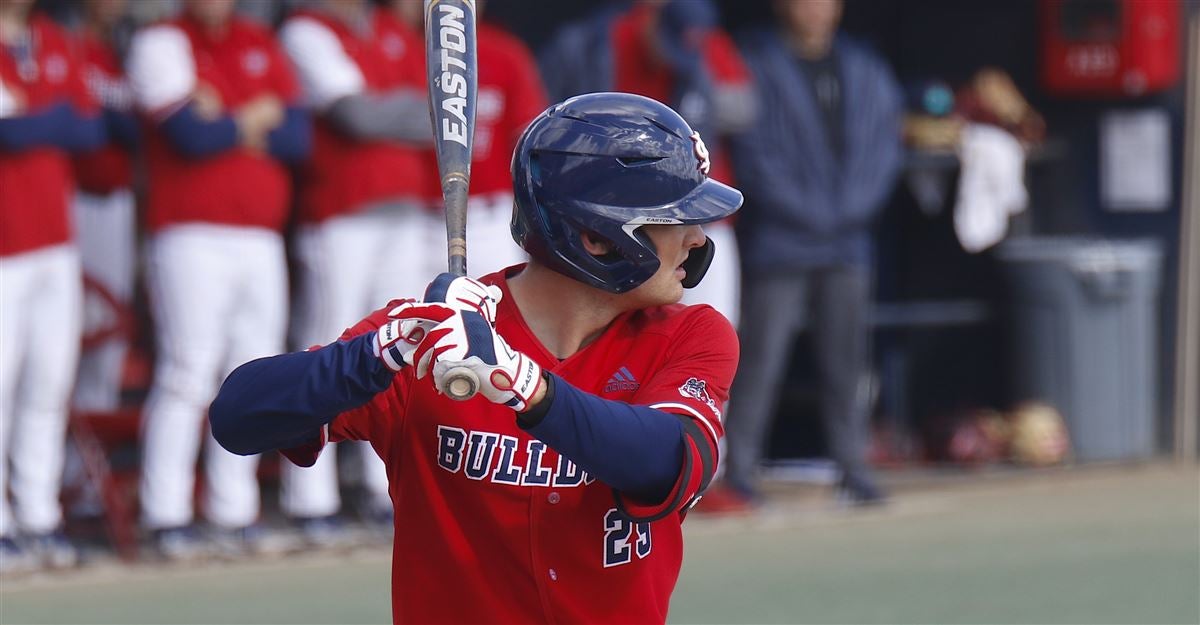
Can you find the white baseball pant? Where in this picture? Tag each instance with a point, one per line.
(490, 246)
(107, 239)
(40, 293)
(219, 297)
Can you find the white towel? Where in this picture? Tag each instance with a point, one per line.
(991, 187)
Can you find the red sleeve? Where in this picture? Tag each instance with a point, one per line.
(80, 95)
(282, 79)
(373, 421)
(693, 384)
(723, 59)
(526, 94)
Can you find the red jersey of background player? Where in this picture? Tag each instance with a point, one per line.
(510, 96)
(238, 187)
(496, 526)
(35, 183)
(109, 168)
(634, 73)
(347, 174)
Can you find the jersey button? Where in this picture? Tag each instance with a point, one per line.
(553, 575)
(553, 498)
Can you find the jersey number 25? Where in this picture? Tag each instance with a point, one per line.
(622, 539)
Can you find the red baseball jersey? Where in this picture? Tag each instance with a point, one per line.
(633, 73)
(493, 526)
(109, 168)
(344, 174)
(511, 94)
(168, 63)
(35, 184)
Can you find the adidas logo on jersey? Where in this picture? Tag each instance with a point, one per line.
(622, 380)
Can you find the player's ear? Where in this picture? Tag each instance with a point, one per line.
(595, 245)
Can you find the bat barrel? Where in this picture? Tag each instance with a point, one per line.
(452, 72)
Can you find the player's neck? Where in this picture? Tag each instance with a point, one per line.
(563, 314)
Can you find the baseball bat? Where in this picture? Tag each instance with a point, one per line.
(452, 71)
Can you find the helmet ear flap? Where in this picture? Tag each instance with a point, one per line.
(697, 263)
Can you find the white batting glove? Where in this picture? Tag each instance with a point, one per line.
(463, 293)
(410, 322)
(467, 339)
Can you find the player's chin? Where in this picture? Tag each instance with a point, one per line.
(669, 291)
(661, 290)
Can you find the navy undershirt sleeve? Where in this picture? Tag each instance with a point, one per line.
(42, 128)
(84, 133)
(59, 125)
(635, 449)
(195, 137)
(292, 140)
(122, 128)
(283, 401)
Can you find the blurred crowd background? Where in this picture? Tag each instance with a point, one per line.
(964, 243)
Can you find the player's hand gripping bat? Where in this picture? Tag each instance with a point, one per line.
(451, 69)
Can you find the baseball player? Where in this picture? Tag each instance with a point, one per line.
(222, 118)
(104, 209)
(557, 493)
(361, 197)
(672, 51)
(45, 114)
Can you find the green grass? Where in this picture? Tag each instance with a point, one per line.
(1111, 545)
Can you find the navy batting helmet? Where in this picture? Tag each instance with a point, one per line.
(606, 164)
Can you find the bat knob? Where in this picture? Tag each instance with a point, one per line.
(460, 384)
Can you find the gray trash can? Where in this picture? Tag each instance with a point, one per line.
(1085, 336)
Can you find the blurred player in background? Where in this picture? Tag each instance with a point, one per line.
(45, 115)
(817, 170)
(104, 208)
(672, 51)
(361, 199)
(510, 96)
(558, 494)
(219, 102)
